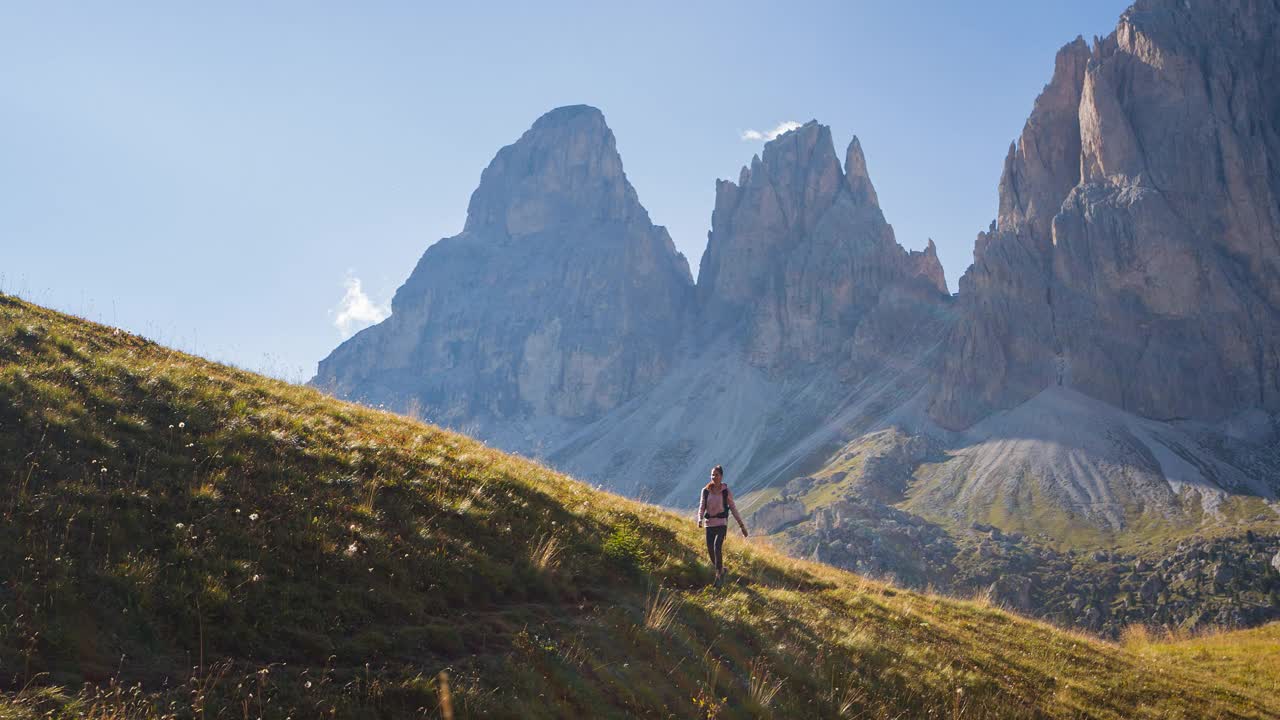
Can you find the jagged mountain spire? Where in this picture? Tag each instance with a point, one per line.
(799, 251)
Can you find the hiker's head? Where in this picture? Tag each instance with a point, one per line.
(717, 473)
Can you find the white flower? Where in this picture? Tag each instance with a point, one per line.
(255, 578)
(179, 526)
(351, 549)
(253, 516)
(182, 424)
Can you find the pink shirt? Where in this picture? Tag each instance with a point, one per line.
(712, 502)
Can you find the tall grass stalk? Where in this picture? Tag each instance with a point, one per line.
(660, 610)
(546, 554)
(762, 687)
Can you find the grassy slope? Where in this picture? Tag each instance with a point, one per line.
(1246, 659)
(181, 537)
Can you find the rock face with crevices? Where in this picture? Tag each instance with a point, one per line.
(559, 298)
(1136, 256)
(799, 254)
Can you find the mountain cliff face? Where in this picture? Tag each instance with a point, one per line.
(1139, 228)
(559, 298)
(799, 253)
(811, 320)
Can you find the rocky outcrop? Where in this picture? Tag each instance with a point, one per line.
(1012, 591)
(560, 298)
(799, 253)
(1224, 582)
(1136, 256)
(775, 515)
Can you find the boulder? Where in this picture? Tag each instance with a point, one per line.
(777, 514)
(1013, 591)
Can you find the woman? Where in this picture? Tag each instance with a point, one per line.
(713, 511)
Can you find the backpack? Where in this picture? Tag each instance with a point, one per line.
(724, 504)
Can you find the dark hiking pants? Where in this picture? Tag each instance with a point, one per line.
(715, 544)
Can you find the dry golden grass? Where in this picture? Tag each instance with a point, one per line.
(660, 609)
(545, 555)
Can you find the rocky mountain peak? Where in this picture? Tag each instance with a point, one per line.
(799, 252)
(1137, 251)
(559, 300)
(856, 177)
(1044, 162)
(565, 168)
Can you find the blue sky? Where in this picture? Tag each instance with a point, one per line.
(218, 176)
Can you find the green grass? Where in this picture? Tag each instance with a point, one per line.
(183, 539)
(1245, 659)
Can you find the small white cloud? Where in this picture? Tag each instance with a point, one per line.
(357, 311)
(767, 135)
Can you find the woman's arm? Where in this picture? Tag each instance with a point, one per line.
(733, 508)
(702, 507)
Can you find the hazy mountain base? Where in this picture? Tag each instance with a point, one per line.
(1064, 508)
(182, 539)
(1061, 472)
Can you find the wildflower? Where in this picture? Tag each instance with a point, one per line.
(308, 685)
(179, 526)
(255, 578)
(182, 424)
(351, 549)
(104, 469)
(253, 516)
